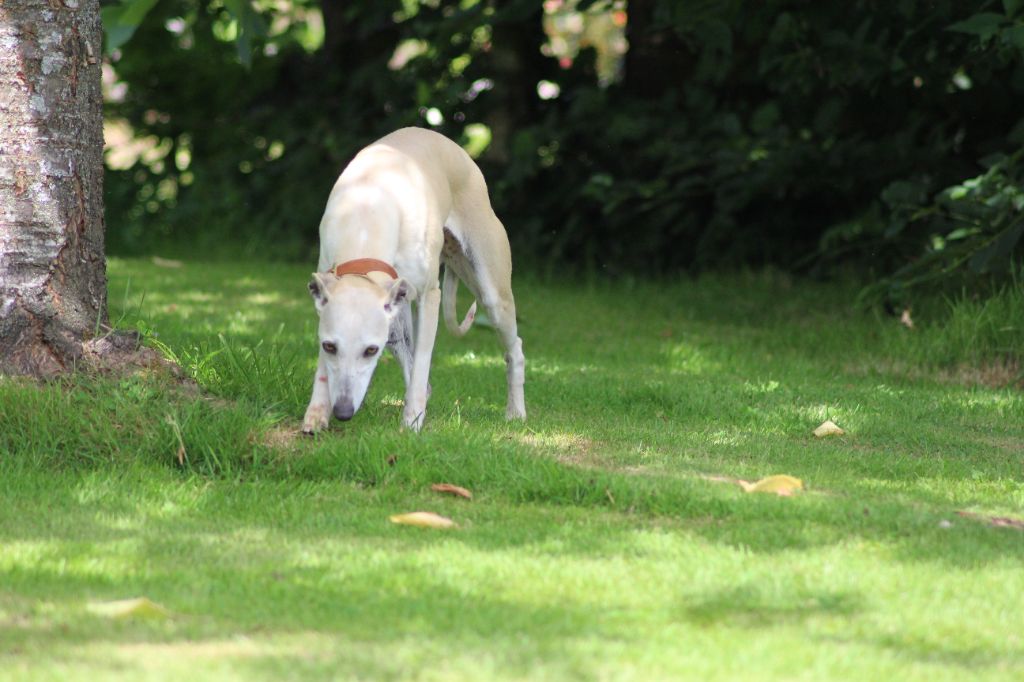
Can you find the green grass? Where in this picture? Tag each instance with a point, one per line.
(979, 331)
(595, 546)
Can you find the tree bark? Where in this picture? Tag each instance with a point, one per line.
(52, 268)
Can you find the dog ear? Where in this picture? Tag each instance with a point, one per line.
(400, 292)
(318, 290)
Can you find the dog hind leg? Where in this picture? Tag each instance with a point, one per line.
(495, 293)
(503, 314)
(490, 280)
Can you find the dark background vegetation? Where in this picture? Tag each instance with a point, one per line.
(882, 138)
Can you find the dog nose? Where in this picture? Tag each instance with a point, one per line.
(344, 410)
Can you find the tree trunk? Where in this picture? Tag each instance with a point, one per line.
(52, 268)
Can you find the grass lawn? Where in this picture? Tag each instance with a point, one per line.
(597, 545)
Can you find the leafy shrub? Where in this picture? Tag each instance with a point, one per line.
(810, 136)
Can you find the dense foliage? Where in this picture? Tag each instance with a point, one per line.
(803, 135)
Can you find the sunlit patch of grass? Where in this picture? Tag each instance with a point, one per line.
(685, 358)
(762, 387)
(848, 416)
(472, 359)
(1001, 401)
(573, 448)
(729, 437)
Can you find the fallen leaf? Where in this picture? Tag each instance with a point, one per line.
(423, 520)
(453, 489)
(905, 319)
(140, 607)
(828, 428)
(780, 484)
(998, 521)
(166, 262)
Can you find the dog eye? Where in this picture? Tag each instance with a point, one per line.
(329, 347)
(370, 351)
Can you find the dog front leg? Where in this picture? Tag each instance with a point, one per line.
(400, 341)
(426, 332)
(319, 411)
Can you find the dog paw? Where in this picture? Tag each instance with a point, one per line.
(413, 419)
(316, 419)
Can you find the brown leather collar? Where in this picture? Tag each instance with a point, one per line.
(364, 266)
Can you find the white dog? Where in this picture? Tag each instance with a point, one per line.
(404, 205)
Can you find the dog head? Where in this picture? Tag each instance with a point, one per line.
(355, 312)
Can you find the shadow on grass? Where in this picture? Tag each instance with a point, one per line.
(753, 606)
(938, 650)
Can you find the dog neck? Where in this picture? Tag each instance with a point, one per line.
(364, 266)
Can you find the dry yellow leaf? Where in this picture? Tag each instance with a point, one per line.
(453, 489)
(141, 607)
(780, 485)
(828, 428)
(423, 520)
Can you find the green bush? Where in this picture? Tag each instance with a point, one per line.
(807, 136)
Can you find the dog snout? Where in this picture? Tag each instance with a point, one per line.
(343, 410)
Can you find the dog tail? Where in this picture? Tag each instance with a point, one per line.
(448, 291)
